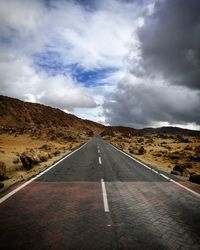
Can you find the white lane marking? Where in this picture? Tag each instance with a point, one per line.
(105, 200)
(154, 171)
(98, 151)
(40, 174)
(99, 160)
(164, 176)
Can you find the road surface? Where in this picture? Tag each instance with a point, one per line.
(98, 198)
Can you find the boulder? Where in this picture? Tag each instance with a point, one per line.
(141, 150)
(43, 156)
(195, 178)
(176, 172)
(28, 159)
(2, 170)
(136, 150)
(180, 169)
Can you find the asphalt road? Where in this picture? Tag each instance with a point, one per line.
(98, 198)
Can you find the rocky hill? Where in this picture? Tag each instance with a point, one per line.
(24, 117)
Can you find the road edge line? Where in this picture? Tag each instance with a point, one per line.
(105, 199)
(5, 197)
(157, 172)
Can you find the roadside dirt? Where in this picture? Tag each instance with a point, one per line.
(11, 148)
(163, 151)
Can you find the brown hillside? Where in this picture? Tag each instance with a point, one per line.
(28, 117)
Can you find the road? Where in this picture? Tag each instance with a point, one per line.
(98, 198)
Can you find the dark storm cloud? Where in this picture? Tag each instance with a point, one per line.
(141, 104)
(170, 42)
(163, 81)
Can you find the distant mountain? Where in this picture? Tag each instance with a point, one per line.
(170, 130)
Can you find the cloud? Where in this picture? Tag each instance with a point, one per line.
(141, 104)
(170, 42)
(41, 41)
(162, 83)
(19, 79)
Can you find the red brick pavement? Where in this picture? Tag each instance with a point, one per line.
(56, 215)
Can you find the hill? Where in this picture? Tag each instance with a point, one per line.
(38, 119)
(170, 130)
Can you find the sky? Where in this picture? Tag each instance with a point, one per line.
(119, 62)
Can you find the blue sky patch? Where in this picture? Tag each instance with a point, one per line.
(52, 63)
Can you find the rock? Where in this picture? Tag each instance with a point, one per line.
(56, 152)
(195, 178)
(28, 159)
(197, 150)
(45, 147)
(136, 151)
(16, 160)
(130, 149)
(140, 140)
(175, 172)
(90, 133)
(141, 150)
(2, 170)
(180, 169)
(1, 184)
(43, 156)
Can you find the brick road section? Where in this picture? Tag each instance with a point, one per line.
(144, 219)
(55, 216)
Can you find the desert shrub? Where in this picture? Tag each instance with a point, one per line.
(188, 147)
(181, 139)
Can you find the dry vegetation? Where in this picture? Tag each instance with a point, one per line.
(40, 152)
(169, 152)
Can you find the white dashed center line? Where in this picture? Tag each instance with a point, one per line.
(99, 160)
(105, 200)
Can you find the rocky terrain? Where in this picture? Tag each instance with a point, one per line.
(166, 149)
(34, 136)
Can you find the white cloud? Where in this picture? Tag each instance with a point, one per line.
(19, 79)
(91, 38)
